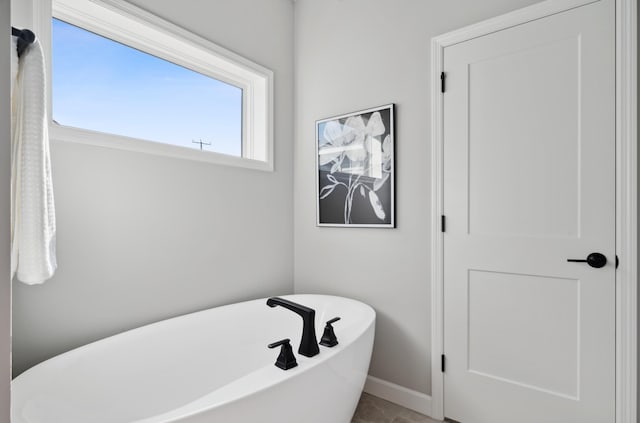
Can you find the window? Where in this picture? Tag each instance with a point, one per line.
(105, 86)
(124, 78)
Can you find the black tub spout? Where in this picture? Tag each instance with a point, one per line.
(308, 343)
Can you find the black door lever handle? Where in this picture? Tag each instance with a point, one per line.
(596, 260)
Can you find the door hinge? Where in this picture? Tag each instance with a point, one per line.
(617, 261)
(443, 223)
(442, 360)
(442, 79)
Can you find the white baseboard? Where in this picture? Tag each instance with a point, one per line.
(413, 400)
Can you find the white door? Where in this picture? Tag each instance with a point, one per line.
(529, 182)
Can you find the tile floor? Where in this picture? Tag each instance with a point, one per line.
(376, 410)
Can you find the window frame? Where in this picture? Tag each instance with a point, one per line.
(132, 26)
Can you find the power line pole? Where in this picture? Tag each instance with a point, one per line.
(201, 143)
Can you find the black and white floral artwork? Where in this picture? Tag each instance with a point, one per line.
(355, 169)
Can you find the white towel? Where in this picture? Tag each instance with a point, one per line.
(14, 81)
(14, 67)
(33, 223)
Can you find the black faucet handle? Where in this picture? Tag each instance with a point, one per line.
(286, 360)
(329, 338)
(278, 343)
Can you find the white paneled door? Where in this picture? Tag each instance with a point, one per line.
(529, 183)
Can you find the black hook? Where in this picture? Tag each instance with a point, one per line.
(25, 37)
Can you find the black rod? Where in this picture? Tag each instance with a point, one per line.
(25, 38)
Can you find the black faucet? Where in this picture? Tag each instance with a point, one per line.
(308, 343)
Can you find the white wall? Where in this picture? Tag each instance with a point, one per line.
(142, 237)
(356, 54)
(5, 177)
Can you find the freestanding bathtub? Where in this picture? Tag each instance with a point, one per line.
(210, 366)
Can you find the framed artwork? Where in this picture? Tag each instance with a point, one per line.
(355, 169)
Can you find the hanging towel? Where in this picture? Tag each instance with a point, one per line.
(33, 223)
(14, 69)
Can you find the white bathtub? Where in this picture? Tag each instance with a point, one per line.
(211, 366)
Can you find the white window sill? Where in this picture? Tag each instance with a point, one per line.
(59, 133)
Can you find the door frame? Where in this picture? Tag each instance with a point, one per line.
(626, 193)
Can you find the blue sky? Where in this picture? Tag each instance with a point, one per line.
(102, 85)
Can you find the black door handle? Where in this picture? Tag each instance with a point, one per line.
(596, 260)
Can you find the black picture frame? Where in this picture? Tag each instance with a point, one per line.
(355, 169)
